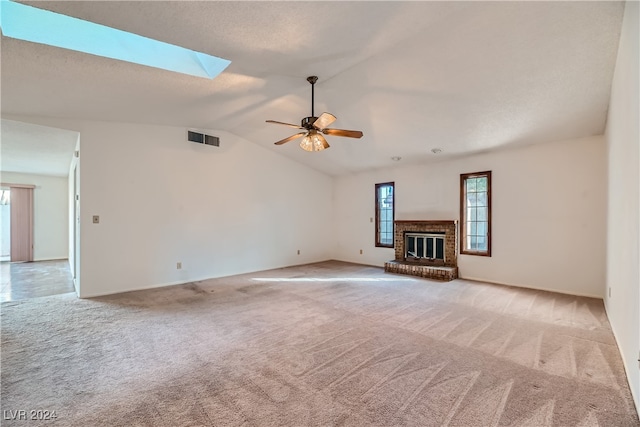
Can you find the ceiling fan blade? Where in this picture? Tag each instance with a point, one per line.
(324, 120)
(343, 132)
(286, 124)
(292, 137)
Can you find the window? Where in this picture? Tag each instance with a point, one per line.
(5, 197)
(384, 215)
(475, 213)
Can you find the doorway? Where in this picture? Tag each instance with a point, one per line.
(39, 232)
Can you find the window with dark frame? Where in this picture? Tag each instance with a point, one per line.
(384, 214)
(475, 213)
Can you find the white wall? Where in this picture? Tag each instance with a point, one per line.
(623, 260)
(549, 207)
(50, 226)
(161, 199)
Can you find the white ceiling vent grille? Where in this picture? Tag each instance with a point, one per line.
(202, 138)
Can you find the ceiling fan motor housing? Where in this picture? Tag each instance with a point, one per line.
(308, 122)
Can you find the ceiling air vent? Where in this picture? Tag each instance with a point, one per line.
(202, 138)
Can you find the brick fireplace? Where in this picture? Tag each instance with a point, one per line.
(425, 249)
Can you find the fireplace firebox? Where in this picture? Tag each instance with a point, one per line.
(424, 247)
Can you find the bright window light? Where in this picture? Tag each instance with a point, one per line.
(330, 279)
(28, 23)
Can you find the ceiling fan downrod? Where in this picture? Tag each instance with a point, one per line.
(312, 80)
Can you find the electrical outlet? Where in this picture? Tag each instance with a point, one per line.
(96, 219)
(179, 265)
(360, 251)
(298, 251)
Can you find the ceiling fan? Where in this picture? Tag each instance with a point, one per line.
(314, 127)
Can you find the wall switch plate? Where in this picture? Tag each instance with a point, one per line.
(360, 251)
(371, 219)
(298, 251)
(178, 265)
(96, 219)
(609, 291)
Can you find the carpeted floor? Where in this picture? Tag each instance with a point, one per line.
(329, 344)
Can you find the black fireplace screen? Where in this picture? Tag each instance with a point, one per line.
(428, 246)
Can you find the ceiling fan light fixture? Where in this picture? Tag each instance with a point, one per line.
(315, 126)
(314, 141)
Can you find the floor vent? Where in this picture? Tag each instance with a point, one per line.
(202, 138)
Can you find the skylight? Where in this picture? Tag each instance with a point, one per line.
(28, 23)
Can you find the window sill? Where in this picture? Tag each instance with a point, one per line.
(487, 254)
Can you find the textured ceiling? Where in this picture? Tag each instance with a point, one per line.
(465, 77)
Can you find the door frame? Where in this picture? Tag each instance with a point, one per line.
(76, 223)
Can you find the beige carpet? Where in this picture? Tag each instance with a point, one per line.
(329, 344)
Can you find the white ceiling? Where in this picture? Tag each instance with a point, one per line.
(465, 77)
(41, 150)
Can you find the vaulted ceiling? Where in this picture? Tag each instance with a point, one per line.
(464, 77)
